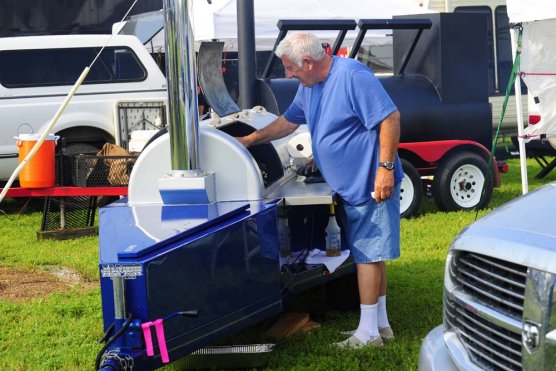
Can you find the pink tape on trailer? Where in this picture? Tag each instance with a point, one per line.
(148, 338)
(161, 340)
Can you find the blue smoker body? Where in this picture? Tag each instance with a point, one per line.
(221, 260)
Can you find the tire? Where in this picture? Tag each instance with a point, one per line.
(411, 191)
(459, 180)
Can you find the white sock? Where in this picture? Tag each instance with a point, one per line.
(367, 328)
(382, 316)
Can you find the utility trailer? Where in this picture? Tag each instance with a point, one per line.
(193, 252)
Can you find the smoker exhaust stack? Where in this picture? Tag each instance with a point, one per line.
(186, 183)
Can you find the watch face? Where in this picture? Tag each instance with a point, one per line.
(139, 116)
(388, 165)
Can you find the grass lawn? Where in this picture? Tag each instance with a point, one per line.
(59, 327)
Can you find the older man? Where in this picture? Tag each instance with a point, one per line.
(355, 130)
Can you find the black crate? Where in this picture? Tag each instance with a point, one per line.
(64, 170)
(68, 212)
(94, 171)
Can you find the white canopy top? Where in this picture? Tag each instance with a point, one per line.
(219, 19)
(530, 10)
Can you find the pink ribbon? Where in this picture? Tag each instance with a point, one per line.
(159, 326)
(161, 340)
(148, 338)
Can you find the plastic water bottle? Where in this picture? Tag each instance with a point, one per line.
(284, 235)
(333, 237)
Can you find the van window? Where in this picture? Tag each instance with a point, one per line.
(48, 67)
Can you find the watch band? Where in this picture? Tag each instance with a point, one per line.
(388, 165)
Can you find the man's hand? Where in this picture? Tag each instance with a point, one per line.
(244, 140)
(384, 184)
(388, 138)
(277, 129)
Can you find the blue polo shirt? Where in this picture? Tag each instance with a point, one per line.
(342, 113)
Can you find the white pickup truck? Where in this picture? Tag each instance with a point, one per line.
(124, 91)
(500, 292)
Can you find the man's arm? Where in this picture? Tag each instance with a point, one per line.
(277, 129)
(388, 140)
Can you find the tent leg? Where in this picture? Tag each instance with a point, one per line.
(519, 109)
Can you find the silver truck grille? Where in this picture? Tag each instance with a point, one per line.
(500, 286)
(491, 346)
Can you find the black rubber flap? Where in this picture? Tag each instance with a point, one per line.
(212, 81)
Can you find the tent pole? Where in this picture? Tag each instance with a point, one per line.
(247, 66)
(519, 109)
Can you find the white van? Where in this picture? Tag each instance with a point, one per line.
(125, 90)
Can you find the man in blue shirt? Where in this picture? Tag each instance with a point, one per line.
(355, 130)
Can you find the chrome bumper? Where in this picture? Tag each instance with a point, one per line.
(434, 353)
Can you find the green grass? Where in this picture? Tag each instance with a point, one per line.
(60, 331)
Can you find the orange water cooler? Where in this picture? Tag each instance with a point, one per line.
(40, 171)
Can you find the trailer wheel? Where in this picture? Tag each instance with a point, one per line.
(459, 180)
(411, 190)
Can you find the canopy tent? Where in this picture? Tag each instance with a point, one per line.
(218, 19)
(537, 68)
(530, 10)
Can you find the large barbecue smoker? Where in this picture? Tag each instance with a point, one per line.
(193, 253)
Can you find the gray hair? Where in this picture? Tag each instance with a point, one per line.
(300, 44)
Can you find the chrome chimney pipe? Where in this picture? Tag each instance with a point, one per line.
(182, 87)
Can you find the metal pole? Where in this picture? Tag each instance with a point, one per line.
(246, 53)
(519, 111)
(182, 87)
(118, 284)
(63, 220)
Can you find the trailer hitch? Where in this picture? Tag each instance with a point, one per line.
(118, 359)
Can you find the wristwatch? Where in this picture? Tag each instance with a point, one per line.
(388, 165)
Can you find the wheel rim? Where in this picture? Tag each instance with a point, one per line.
(407, 193)
(466, 185)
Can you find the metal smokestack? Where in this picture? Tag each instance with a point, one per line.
(182, 87)
(186, 183)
